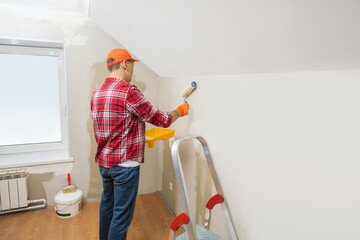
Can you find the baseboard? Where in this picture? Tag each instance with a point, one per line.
(162, 198)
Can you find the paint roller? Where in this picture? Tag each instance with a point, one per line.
(188, 90)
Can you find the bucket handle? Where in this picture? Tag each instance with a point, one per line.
(67, 205)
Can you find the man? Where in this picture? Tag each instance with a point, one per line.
(119, 112)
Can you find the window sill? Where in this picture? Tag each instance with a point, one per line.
(4, 164)
(34, 158)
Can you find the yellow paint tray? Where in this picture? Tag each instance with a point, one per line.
(156, 134)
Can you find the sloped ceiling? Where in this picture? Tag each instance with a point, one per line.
(208, 37)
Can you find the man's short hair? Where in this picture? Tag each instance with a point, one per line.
(113, 67)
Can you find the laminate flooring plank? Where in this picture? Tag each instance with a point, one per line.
(151, 221)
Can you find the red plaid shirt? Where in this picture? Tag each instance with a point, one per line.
(119, 112)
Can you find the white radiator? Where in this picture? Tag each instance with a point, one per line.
(13, 189)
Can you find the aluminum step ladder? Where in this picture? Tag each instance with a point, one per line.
(197, 232)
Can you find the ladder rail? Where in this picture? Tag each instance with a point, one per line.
(184, 200)
(182, 189)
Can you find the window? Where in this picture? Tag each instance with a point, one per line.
(33, 123)
(70, 6)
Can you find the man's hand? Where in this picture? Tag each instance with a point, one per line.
(183, 109)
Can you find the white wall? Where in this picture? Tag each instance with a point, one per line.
(205, 37)
(86, 50)
(284, 137)
(285, 146)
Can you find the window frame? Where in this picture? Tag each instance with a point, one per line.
(37, 153)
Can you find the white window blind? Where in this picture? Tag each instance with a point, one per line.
(29, 96)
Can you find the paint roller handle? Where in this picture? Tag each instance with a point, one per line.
(183, 109)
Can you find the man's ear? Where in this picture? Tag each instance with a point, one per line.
(124, 63)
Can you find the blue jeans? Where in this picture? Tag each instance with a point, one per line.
(120, 186)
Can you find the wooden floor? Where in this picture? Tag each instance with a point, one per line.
(151, 221)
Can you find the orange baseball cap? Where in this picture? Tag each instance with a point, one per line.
(119, 55)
